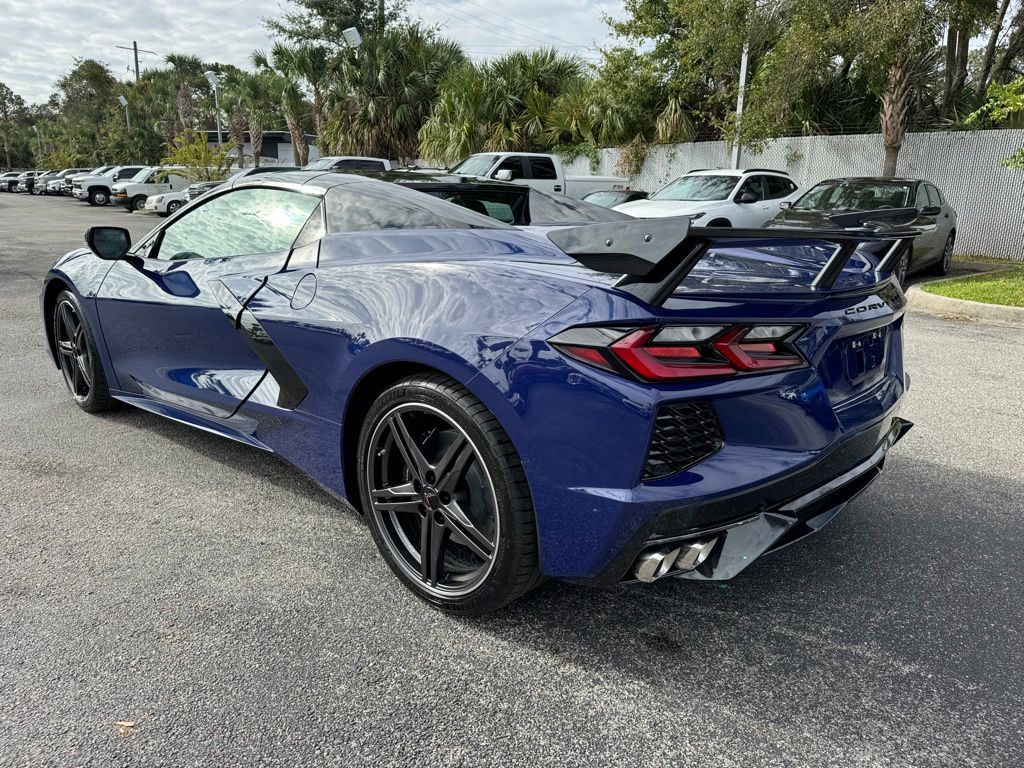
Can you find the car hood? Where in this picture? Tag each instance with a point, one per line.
(658, 208)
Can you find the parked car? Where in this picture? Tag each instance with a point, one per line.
(96, 190)
(30, 183)
(543, 172)
(348, 164)
(609, 198)
(506, 202)
(9, 180)
(69, 180)
(487, 395)
(26, 181)
(132, 194)
(912, 203)
(719, 198)
(201, 188)
(55, 185)
(166, 203)
(41, 180)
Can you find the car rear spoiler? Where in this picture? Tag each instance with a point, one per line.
(655, 255)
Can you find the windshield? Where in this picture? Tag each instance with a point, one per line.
(141, 176)
(607, 199)
(559, 209)
(855, 196)
(475, 165)
(697, 188)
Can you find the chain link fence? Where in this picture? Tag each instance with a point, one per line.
(965, 165)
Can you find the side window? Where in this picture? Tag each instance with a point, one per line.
(373, 205)
(921, 200)
(238, 223)
(513, 163)
(543, 168)
(934, 196)
(754, 185)
(778, 186)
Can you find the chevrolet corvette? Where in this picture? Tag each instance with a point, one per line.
(612, 402)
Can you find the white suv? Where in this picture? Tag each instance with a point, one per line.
(719, 198)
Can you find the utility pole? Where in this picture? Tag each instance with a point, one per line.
(739, 106)
(135, 49)
(214, 80)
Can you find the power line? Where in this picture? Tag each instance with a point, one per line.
(164, 36)
(496, 29)
(527, 26)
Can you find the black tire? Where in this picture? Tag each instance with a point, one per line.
(98, 197)
(941, 267)
(720, 223)
(77, 355)
(173, 206)
(138, 203)
(480, 487)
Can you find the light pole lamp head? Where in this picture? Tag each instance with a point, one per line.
(123, 101)
(352, 37)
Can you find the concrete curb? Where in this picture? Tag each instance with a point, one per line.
(962, 309)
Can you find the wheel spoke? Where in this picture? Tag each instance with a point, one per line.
(471, 536)
(449, 469)
(413, 456)
(398, 498)
(433, 540)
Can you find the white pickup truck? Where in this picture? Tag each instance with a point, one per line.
(532, 169)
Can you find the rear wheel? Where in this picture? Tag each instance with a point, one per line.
(446, 498)
(720, 223)
(941, 266)
(77, 356)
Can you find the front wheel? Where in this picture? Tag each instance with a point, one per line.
(173, 206)
(77, 355)
(138, 202)
(98, 197)
(446, 497)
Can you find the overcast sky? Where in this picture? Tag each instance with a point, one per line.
(40, 38)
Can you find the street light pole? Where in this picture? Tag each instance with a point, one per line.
(214, 81)
(739, 106)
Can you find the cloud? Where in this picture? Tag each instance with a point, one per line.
(39, 39)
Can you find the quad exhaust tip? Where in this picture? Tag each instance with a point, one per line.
(671, 559)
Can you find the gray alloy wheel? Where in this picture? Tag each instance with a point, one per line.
(77, 356)
(941, 267)
(433, 499)
(173, 206)
(98, 197)
(138, 202)
(446, 498)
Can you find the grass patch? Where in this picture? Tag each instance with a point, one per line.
(1003, 287)
(985, 259)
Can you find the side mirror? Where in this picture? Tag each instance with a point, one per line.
(503, 175)
(747, 197)
(785, 205)
(931, 210)
(110, 243)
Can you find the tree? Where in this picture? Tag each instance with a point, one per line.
(289, 93)
(380, 98)
(324, 21)
(12, 108)
(254, 92)
(304, 67)
(200, 161)
(1005, 106)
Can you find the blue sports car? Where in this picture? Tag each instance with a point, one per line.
(604, 403)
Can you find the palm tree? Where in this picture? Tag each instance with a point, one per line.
(309, 66)
(380, 99)
(255, 93)
(186, 74)
(288, 91)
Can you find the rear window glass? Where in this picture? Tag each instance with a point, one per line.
(370, 205)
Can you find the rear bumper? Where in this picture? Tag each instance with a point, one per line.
(767, 518)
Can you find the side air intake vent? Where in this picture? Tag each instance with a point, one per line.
(684, 434)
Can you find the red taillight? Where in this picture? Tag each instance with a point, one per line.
(680, 353)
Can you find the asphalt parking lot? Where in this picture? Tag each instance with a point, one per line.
(235, 614)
